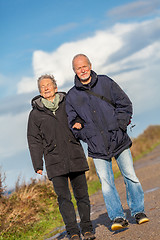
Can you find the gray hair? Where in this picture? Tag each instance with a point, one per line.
(44, 77)
(80, 55)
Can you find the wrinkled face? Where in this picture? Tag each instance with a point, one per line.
(83, 69)
(47, 89)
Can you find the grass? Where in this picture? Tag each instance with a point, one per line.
(30, 219)
(146, 142)
(31, 208)
(31, 212)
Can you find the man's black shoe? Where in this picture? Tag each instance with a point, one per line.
(141, 218)
(89, 236)
(119, 223)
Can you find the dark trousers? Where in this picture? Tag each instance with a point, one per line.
(80, 190)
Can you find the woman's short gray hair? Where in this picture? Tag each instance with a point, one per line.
(44, 77)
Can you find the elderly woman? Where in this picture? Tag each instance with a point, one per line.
(49, 136)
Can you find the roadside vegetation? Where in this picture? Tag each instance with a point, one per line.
(31, 211)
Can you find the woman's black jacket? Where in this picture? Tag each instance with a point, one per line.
(49, 136)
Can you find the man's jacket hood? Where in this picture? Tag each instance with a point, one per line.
(81, 86)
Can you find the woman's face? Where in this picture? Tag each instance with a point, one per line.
(47, 89)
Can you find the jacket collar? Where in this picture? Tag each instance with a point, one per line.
(37, 103)
(81, 86)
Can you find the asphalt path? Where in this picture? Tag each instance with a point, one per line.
(148, 172)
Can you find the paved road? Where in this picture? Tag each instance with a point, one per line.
(148, 172)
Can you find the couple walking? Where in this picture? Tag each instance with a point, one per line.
(97, 111)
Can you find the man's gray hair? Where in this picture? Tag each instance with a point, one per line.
(80, 55)
(44, 77)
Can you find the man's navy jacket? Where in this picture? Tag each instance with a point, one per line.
(104, 126)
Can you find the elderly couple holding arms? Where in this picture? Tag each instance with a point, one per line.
(97, 111)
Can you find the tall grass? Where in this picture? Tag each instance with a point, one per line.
(31, 211)
(145, 142)
(27, 205)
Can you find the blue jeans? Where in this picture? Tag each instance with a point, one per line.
(134, 192)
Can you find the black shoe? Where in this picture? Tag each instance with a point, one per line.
(75, 237)
(141, 218)
(119, 223)
(89, 236)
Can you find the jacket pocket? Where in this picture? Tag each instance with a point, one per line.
(117, 137)
(95, 141)
(51, 159)
(73, 141)
(113, 126)
(51, 148)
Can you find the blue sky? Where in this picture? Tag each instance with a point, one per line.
(121, 38)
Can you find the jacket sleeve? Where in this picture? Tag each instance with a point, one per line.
(123, 105)
(73, 117)
(35, 143)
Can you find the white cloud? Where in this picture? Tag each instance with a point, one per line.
(13, 134)
(135, 9)
(59, 63)
(27, 84)
(127, 53)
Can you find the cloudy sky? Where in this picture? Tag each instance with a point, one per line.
(121, 38)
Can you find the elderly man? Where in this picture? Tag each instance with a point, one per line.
(49, 136)
(104, 111)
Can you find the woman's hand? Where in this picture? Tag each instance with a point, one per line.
(40, 172)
